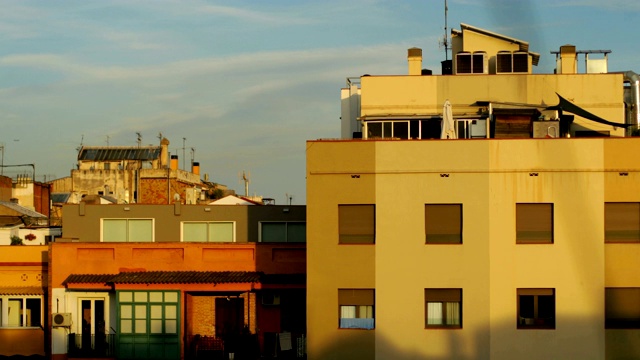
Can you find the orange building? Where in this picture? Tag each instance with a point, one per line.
(178, 281)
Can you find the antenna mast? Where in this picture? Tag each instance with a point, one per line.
(446, 37)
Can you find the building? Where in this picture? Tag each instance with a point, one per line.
(132, 174)
(491, 213)
(178, 281)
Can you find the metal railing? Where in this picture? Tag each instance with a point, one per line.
(91, 345)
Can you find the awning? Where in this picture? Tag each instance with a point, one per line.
(568, 106)
(21, 290)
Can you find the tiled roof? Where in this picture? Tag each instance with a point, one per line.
(167, 277)
(21, 209)
(21, 290)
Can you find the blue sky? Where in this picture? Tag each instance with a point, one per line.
(245, 82)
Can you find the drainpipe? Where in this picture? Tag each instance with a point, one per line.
(634, 119)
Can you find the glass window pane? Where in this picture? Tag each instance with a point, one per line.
(374, 130)
(156, 311)
(171, 326)
(221, 232)
(141, 326)
(125, 326)
(141, 311)
(347, 312)
(386, 132)
(33, 312)
(401, 130)
(170, 312)
(155, 327)
(114, 230)
(140, 296)
(274, 232)
(140, 230)
(125, 312)
(171, 297)
(155, 296)
(15, 312)
(297, 232)
(125, 296)
(434, 313)
(194, 232)
(453, 313)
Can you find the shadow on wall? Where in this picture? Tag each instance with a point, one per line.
(517, 344)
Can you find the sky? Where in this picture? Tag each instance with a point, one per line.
(241, 85)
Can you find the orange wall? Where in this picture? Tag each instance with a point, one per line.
(21, 342)
(110, 258)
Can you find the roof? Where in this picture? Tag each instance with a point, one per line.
(21, 209)
(184, 277)
(60, 198)
(117, 153)
(523, 45)
(21, 290)
(234, 200)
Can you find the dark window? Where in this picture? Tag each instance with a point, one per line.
(536, 309)
(356, 224)
(534, 223)
(622, 222)
(622, 308)
(356, 308)
(443, 308)
(443, 223)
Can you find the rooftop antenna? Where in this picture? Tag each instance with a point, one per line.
(184, 140)
(160, 136)
(81, 143)
(445, 39)
(139, 139)
(193, 155)
(2, 163)
(107, 136)
(289, 198)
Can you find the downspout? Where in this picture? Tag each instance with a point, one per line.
(634, 119)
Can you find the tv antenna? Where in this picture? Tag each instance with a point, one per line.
(445, 39)
(289, 198)
(81, 143)
(108, 137)
(160, 136)
(193, 155)
(139, 138)
(184, 141)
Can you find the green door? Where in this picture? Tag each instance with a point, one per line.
(148, 325)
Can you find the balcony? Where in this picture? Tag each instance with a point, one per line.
(91, 345)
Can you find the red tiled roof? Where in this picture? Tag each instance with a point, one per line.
(167, 277)
(21, 290)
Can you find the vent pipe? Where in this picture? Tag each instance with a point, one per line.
(174, 162)
(633, 116)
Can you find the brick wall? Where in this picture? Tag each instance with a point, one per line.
(201, 315)
(154, 191)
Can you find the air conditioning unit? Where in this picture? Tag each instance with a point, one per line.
(61, 319)
(270, 299)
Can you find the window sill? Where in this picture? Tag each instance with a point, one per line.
(21, 328)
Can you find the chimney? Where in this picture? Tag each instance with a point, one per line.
(568, 62)
(414, 56)
(164, 153)
(195, 168)
(174, 162)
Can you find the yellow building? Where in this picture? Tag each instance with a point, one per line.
(497, 232)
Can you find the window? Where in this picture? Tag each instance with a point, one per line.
(356, 224)
(21, 311)
(283, 232)
(622, 222)
(534, 223)
(388, 129)
(356, 308)
(536, 309)
(208, 231)
(622, 308)
(127, 230)
(443, 223)
(443, 308)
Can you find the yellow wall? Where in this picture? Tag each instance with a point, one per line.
(488, 177)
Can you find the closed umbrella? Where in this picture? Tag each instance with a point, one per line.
(448, 124)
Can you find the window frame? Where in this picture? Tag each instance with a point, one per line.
(153, 230)
(537, 321)
(522, 240)
(460, 226)
(233, 231)
(392, 128)
(621, 323)
(624, 223)
(286, 231)
(344, 235)
(357, 298)
(443, 296)
(4, 305)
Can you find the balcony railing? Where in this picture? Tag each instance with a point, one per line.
(91, 345)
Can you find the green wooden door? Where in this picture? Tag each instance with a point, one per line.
(148, 325)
